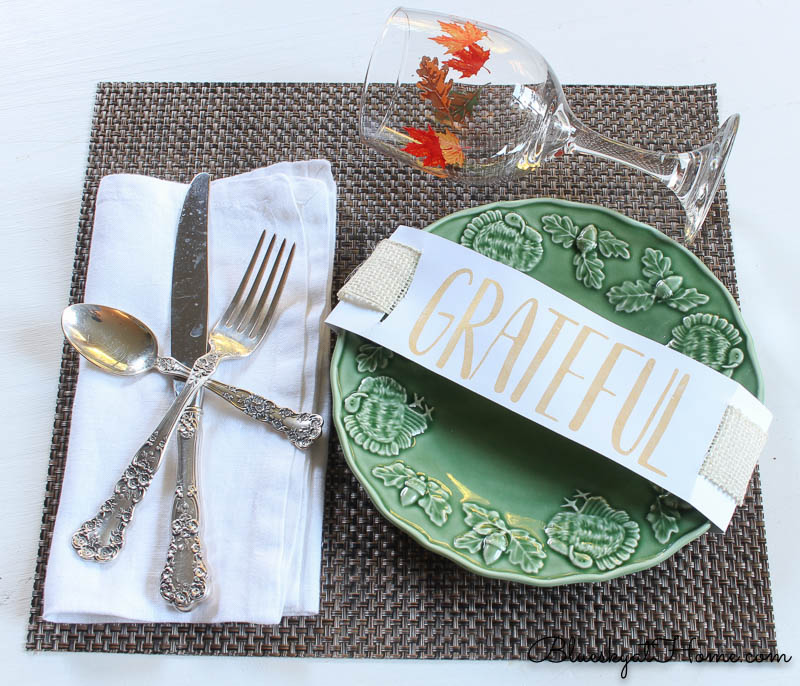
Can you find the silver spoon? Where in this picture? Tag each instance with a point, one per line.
(121, 344)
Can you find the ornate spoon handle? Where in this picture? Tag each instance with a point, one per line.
(102, 537)
(300, 428)
(184, 581)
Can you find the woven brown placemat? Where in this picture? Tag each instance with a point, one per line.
(382, 594)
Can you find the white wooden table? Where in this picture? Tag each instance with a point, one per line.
(53, 53)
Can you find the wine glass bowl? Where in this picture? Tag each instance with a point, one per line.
(502, 115)
(475, 103)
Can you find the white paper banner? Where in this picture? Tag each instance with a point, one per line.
(523, 345)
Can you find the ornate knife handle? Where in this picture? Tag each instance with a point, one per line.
(301, 428)
(102, 537)
(184, 581)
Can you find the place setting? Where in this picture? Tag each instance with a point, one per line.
(447, 365)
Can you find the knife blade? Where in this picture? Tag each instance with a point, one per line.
(184, 581)
(189, 306)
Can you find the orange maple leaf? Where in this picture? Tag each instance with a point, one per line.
(426, 145)
(433, 85)
(469, 61)
(451, 148)
(460, 36)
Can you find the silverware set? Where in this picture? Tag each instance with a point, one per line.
(119, 343)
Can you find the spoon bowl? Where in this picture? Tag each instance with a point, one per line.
(110, 338)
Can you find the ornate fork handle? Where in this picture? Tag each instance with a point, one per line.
(102, 537)
(300, 428)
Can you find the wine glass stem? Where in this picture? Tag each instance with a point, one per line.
(669, 168)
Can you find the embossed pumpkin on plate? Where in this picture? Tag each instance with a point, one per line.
(595, 533)
(379, 418)
(710, 339)
(505, 238)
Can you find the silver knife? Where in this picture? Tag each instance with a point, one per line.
(184, 581)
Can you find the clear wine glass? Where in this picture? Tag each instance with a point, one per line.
(475, 103)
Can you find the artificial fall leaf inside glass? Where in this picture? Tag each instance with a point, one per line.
(459, 37)
(463, 103)
(426, 145)
(469, 61)
(451, 148)
(451, 107)
(433, 85)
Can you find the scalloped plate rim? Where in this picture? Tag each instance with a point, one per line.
(422, 538)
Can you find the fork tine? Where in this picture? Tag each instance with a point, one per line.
(249, 326)
(236, 301)
(264, 325)
(245, 312)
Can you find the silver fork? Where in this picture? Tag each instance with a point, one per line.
(238, 333)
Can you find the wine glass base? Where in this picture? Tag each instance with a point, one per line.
(709, 164)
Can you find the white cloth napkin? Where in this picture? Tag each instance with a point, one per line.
(261, 498)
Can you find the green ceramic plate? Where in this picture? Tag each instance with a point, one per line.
(494, 492)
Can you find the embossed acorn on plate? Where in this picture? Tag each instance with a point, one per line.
(586, 242)
(381, 420)
(504, 238)
(594, 533)
(710, 339)
(662, 285)
(492, 538)
(417, 488)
